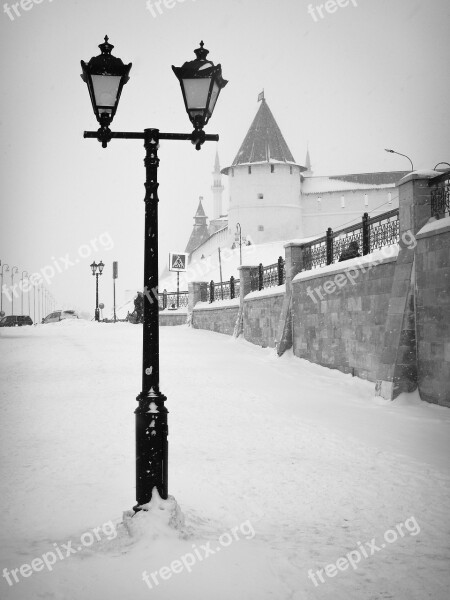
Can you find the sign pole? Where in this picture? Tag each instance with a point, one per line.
(114, 294)
(178, 262)
(115, 275)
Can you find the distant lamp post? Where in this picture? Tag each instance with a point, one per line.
(400, 154)
(21, 305)
(97, 269)
(4, 270)
(201, 82)
(12, 287)
(239, 233)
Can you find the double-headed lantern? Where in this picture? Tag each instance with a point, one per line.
(105, 76)
(94, 266)
(200, 83)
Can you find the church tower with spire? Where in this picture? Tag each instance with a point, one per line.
(265, 184)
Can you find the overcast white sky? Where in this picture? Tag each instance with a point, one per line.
(361, 79)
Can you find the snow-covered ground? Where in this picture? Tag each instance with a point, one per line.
(299, 466)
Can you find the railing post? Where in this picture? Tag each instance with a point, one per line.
(260, 276)
(280, 270)
(366, 234)
(164, 299)
(211, 291)
(232, 287)
(329, 246)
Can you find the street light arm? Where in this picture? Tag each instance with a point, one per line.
(400, 154)
(140, 135)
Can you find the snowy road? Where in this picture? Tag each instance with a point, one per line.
(306, 457)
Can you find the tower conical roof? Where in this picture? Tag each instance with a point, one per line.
(264, 140)
(308, 162)
(217, 163)
(200, 230)
(200, 210)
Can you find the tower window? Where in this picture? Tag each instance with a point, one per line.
(319, 203)
(272, 168)
(389, 198)
(260, 227)
(342, 201)
(290, 170)
(366, 199)
(249, 170)
(232, 172)
(260, 196)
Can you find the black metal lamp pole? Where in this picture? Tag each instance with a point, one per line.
(200, 99)
(97, 318)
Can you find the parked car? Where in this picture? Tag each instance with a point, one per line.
(60, 315)
(16, 321)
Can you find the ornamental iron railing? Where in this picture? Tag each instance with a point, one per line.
(440, 195)
(225, 290)
(270, 276)
(173, 300)
(370, 234)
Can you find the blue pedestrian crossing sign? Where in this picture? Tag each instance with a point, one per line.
(177, 261)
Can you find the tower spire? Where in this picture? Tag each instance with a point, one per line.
(309, 170)
(217, 188)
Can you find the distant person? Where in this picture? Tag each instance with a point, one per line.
(351, 252)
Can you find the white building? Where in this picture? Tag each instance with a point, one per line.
(274, 198)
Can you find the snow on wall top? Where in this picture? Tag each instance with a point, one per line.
(386, 254)
(436, 225)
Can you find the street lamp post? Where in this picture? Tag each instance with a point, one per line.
(238, 229)
(400, 154)
(12, 287)
(201, 82)
(21, 304)
(97, 269)
(1, 294)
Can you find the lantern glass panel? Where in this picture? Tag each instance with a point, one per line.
(214, 96)
(196, 91)
(106, 89)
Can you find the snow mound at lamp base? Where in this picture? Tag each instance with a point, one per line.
(157, 519)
